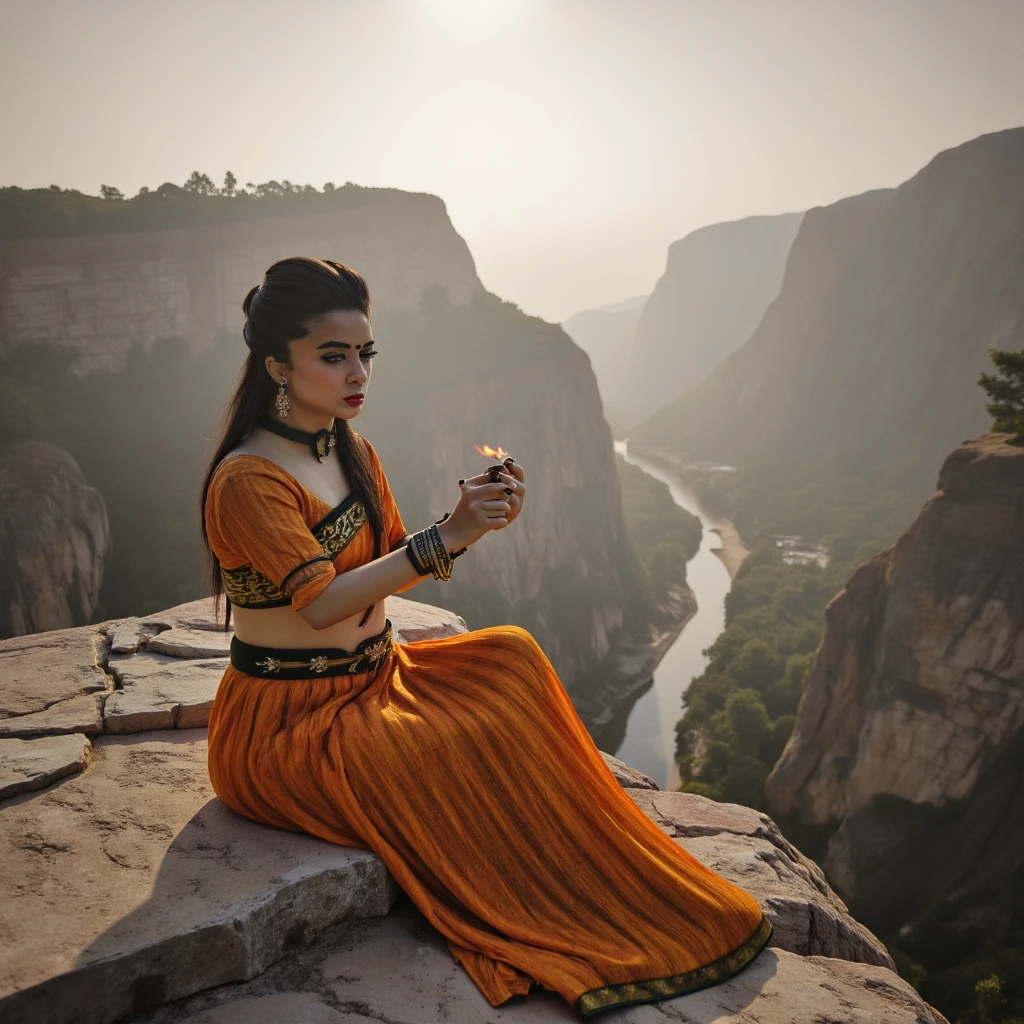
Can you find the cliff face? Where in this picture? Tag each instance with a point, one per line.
(54, 540)
(917, 692)
(100, 293)
(606, 335)
(872, 350)
(718, 281)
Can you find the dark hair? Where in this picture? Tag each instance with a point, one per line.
(294, 292)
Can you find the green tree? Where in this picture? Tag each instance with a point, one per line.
(748, 720)
(669, 564)
(755, 665)
(1006, 389)
(200, 183)
(989, 999)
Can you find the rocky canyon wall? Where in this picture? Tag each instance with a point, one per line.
(872, 350)
(54, 540)
(99, 293)
(917, 693)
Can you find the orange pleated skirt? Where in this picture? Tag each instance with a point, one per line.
(463, 764)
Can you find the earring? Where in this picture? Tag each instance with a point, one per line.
(281, 401)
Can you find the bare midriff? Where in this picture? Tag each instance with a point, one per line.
(284, 627)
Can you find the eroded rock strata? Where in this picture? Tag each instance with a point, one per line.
(908, 735)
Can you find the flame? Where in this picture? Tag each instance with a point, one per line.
(494, 453)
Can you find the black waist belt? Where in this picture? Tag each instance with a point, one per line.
(311, 663)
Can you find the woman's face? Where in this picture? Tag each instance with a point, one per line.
(329, 364)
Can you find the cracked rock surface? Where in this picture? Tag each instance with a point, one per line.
(161, 692)
(746, 847)
(133, 675)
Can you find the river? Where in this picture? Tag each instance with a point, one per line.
(649, 741)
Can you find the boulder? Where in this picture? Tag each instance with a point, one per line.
(54, 540)
(136, 886)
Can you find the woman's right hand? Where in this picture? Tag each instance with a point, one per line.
(481, 508)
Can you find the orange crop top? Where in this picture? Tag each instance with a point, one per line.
(278, 544)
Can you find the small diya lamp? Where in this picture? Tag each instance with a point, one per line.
(495, 453)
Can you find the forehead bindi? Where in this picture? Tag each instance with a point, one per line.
(340, 332)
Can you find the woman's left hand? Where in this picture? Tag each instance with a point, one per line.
(517, 486)
(512, 477)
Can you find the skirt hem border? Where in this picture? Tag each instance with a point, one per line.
(609, 997)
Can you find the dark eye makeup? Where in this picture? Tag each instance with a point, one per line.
(336, 356)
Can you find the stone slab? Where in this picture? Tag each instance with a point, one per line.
(398, 970)
(413, 620)
(26, 765)
(83, 714)
(191, 643)
(127, 635)
(41, 669)
(161, 692)
(627, 777)
(286, 1007)
(746, 847)
(132, 880)
(198, 614)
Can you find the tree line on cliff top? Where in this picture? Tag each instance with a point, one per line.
(35, 212)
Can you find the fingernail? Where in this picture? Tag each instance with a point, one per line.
(461, 482)
(508, 490)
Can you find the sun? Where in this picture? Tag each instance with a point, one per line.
(474, 16)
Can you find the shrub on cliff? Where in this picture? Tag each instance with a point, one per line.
(1006, 389)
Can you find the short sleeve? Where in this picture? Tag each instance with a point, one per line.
(257, 515)
(394, 528)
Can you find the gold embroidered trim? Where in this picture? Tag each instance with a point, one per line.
(321, 663)
(247, 587)
(598, 999)
(336, 535)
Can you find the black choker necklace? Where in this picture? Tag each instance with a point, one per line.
(321, 443)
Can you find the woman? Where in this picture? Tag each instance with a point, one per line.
(461, 761)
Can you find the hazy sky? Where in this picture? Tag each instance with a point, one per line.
(572, 140)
